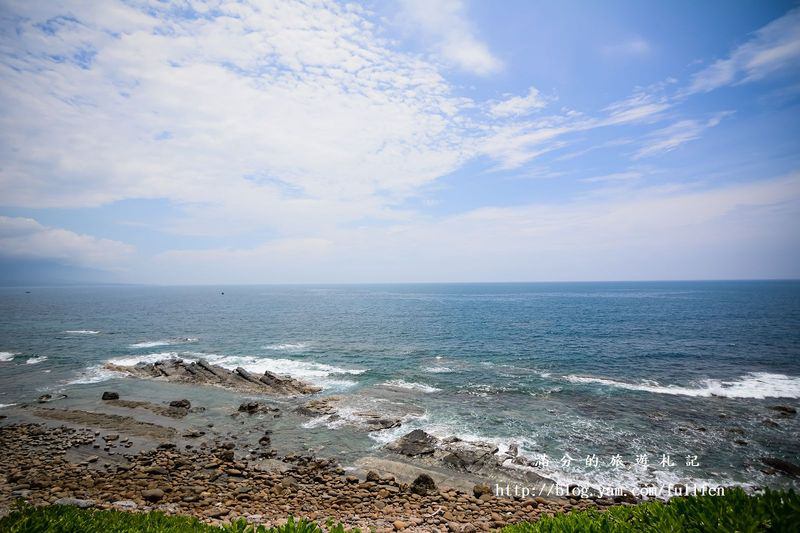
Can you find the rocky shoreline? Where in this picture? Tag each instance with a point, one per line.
(218, 482)
(106, 460)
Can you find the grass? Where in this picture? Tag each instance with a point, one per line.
(64, 519)
(733, 512)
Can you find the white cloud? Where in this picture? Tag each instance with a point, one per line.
(773, 48)
(634, 47)
(518, 105)
(681, 132)
(736, 231)
(445, 23)
(614, 177)
(25, 238)
(263, 109)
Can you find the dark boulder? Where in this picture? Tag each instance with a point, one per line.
(414, 443)
(423, 485)
(109, 395)
(784, 466)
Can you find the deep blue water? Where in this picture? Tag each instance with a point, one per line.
(683, 368)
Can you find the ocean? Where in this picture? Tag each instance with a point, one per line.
(604, 384)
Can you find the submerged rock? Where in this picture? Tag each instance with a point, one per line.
(784, 466)
(181, 404)
(109, 395)
(784, 410)
(204, 373)
(252, 408)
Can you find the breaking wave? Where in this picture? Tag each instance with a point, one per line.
(410, 385)
(757, 385)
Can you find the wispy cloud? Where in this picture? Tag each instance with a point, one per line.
(614, 177)
(25, 238)
(514, 106)
(634, 47)
(600, 237)
(445, 23)
(773, 48)
(677, 134)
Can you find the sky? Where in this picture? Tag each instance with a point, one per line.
(305, 141)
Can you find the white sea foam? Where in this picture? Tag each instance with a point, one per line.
(752, 385)
(410, 385)
(82, 332)
(438, 369)
(163, 342)
(287, 347)
(317, 373)
(7, 356)
(131, 360)
(3, 405)
(36, 360)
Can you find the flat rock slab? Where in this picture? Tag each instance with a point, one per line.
(203, 373)
(124, 424)
(163, 410)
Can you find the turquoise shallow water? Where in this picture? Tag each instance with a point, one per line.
(604, 369)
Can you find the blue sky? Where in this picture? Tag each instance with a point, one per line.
(315, 141)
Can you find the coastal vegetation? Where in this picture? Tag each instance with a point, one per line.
(735, 511)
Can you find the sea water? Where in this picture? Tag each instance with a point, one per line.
(605, 384)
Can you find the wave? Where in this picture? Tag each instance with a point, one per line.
(82, 332)
(163, 342)
(316, 373)
(410, 385)
(3, 405)
(7, 356)
(438, 369)
(287, 347)
(758, 385)
(36, 360)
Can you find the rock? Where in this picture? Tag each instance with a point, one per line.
(413, 444)
(126, 505)
(45, 398)
(770, 423)
(252, 408)
(75, 502)
(784, 466)
(784, 410)
(469, 456)
(203, 373)
(374, 477)
(153, 495)
(181, 404)
(109, 395)
(423, 485)
(399, 525)
(480, 490)
(111, 437)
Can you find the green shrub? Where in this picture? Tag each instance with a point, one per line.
(64, 519)
(733, 512)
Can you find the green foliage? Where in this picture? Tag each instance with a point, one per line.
(734, 512)
(63, 519)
